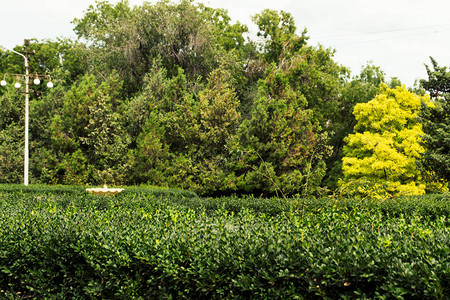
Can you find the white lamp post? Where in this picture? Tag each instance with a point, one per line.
(27, 92)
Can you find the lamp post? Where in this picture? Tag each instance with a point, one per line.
(26, 78)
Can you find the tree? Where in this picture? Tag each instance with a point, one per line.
(11, 153)
(435, 119)
(280, 147)
(219, 119)
(360, 89)
(85, 139)
(13, 105)
(170, 133)
(183, 34)
(277, 30)
(381, 156)
(229, 36)
(185, 137)
(56, 58)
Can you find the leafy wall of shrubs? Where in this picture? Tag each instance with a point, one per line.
(135, 245)
(66, 189)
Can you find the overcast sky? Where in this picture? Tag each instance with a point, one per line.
(397, 35)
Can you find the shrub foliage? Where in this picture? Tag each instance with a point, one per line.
(140, 245)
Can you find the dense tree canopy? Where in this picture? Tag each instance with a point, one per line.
(381, 156)
(185, 34)
(436, 123)
(360, 89)
(177, 94)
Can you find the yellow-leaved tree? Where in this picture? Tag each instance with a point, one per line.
(380, 156)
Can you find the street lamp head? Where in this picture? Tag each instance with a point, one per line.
(49, 84)
(3, 82)
(36, 81)
(17, 85)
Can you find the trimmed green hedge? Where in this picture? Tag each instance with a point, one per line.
(65, 189)
(429, 206)
(138, 245)
(44, 189)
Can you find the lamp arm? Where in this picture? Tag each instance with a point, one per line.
(24, 57)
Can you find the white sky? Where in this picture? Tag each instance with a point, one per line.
(397, 35)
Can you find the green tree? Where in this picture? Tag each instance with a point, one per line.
(381, 156)
(435, 119)
(164, 129)
(219, 118)
(218, 113)
(315, 75)
(280, 147)
(183, 34)
(148, 160)
(11, 153)
(229, 36)
(13, 106)
(47, 57)
(87, 140)
(184, 140)
(319, 79)
(277, 29)
(360, 89)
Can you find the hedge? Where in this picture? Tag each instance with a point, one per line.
(139, 245)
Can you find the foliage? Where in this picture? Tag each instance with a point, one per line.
(61, 59)
(184, 34)
(11, 136)
(177, 94)
(436, 124)
(283, 143)
(385, 146)
(175, 89)
(11, 154)
(228, 36)
(185, 135)
(219, 119)
(277, 30)
(138, 246)
(12, 111)
(360, 89)
(85, 141)
(66, 190)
